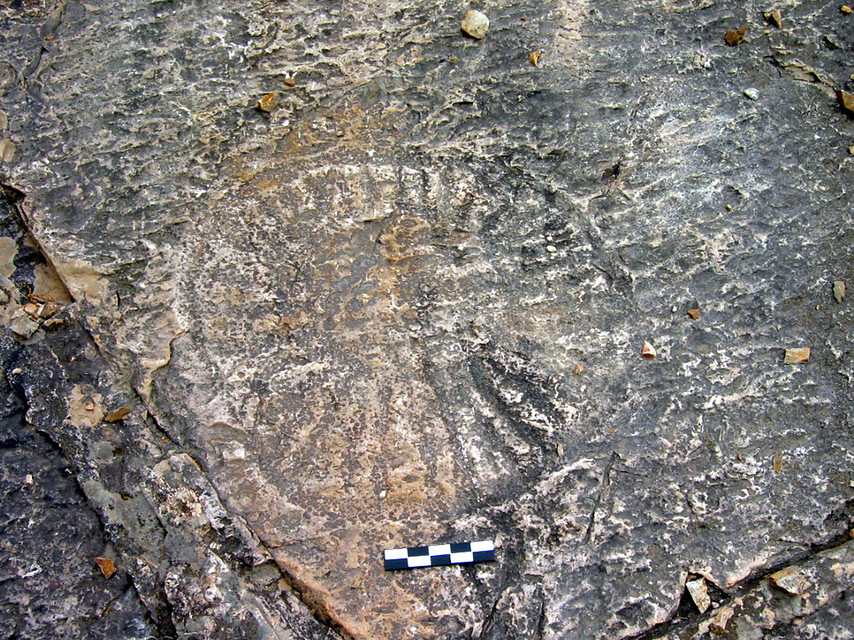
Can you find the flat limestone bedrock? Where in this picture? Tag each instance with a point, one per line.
(369, 338)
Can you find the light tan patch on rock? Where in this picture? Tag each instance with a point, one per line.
(85, 407)
(49, 285)
(568, 34)
(402, 239)
(8, 251)
(84, 281)
(7, 150)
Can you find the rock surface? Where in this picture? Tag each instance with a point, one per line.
(406, 306)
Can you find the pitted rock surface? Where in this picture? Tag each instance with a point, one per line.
(406, 303)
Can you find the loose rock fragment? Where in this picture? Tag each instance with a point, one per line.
(118, 414)
(699, 594)
(790, 580)
(799, 355)
(106, 565)
(28, 480)
(752, 93)
(775, 18)
(735, 37)
(475, 24)
(22, 325)
(534, 58)
(839, 291)
(648, 351)
(269, 102)
(290, 82)
(845, 100)
(720, 621)
(579, 369)
(49, 309)
(845, 9)
(31, 309)
(694, 314)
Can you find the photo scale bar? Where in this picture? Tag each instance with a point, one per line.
(438, 555)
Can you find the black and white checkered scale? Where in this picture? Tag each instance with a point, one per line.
(437, 555)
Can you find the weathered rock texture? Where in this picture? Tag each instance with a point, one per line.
(355, 320)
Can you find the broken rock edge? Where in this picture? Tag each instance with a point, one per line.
(662, 629)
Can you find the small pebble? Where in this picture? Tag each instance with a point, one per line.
(106, 565)
(290, 82)
(269, 102)
(534, 58)
(735, 37)
(752, 93)
(845, 100)
(694, 314)
(839, 291)
(845, 8)
(775, 18)
(475, 24)
(579, 369)
(648, 351)
(551, 248)
(800, 355)
(49, 309)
